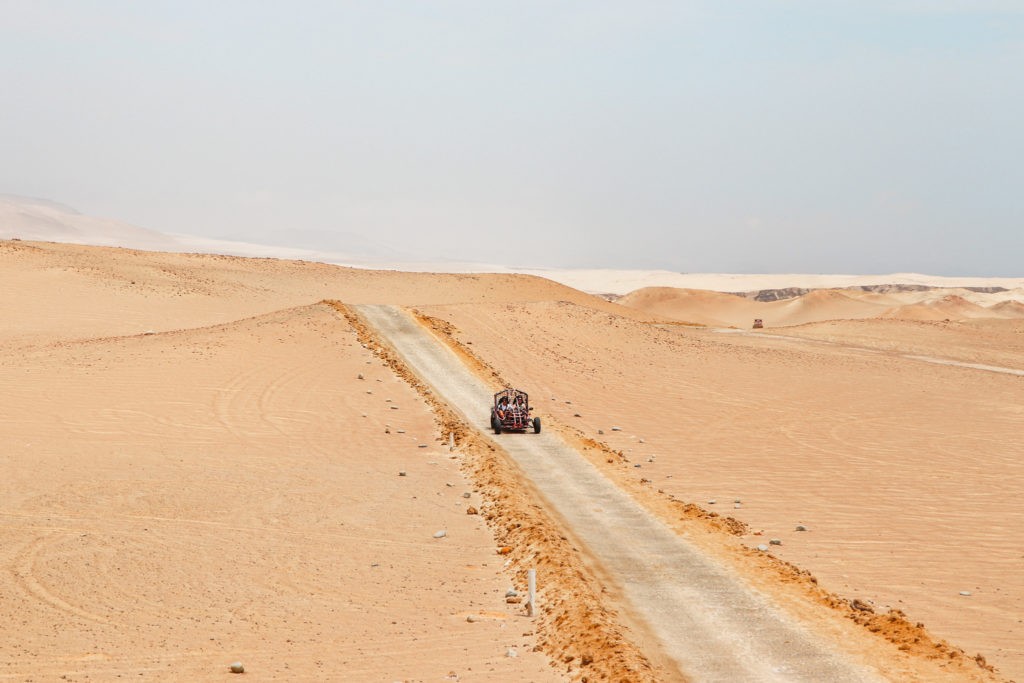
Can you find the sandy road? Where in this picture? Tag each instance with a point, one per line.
(707, 619)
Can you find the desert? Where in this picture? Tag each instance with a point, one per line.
(395, 342)
(210, 459)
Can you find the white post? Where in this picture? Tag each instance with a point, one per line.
(451, 441)
(531, 583)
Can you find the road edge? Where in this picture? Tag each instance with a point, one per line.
(576, 628)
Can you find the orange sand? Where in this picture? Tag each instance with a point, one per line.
(212, 492)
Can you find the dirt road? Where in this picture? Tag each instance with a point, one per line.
(706, 619)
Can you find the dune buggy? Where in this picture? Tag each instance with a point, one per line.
(511, 412)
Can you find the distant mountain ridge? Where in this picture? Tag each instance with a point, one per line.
(794, 292)
(42, 220)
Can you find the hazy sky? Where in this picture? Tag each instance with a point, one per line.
(789, 136)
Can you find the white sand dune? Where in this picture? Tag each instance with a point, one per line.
(43, 220)
(606, 281)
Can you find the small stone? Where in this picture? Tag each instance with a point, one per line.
(401, 473)
(511, 652)
(472, 511)
(576, 415)
(511, 593)
(966, 594)
(712, 501)
(737, 501)
(360, 376)
(394, 407)
(775, 541)
(399, 431)
(637, 465)
(641, 440)
(801, 527)
(386, 430)
(423, 445)
(616, 429)
(763, 548)
(467, 494)
(471, 618)
(440, 534)
(237, 668)
(736, 506)
(859, 604)
(600, 431)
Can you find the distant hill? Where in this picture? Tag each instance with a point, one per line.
(42, 220)
(908, 302)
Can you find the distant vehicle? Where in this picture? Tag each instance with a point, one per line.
(511, 412)
(758, 323)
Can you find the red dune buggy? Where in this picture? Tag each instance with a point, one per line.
(511, 412)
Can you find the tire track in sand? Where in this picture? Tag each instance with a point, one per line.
(24, 572)
(707, 619)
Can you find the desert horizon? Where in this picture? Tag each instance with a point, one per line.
(213, 458)
(549, 342)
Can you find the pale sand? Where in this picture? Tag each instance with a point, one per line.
(607, 281)
(176, 501)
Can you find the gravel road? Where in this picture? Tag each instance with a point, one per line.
(707, 619)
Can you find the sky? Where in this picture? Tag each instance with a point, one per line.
(785, 136)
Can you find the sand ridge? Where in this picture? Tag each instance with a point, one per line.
(717, 309)
(735, 422)
(226, 437)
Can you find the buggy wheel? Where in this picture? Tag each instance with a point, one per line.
(536, 425)
(497, 427)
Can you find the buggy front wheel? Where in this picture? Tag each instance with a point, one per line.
(536, 425)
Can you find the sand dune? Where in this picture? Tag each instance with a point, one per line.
(893, 465)
(727, 310)
(1008, 309)
(700, 307)
(716, 309)
(67, 290)
(42, 220)
(227, 488)
(949, 307)
(621, 282)
(39, 219)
